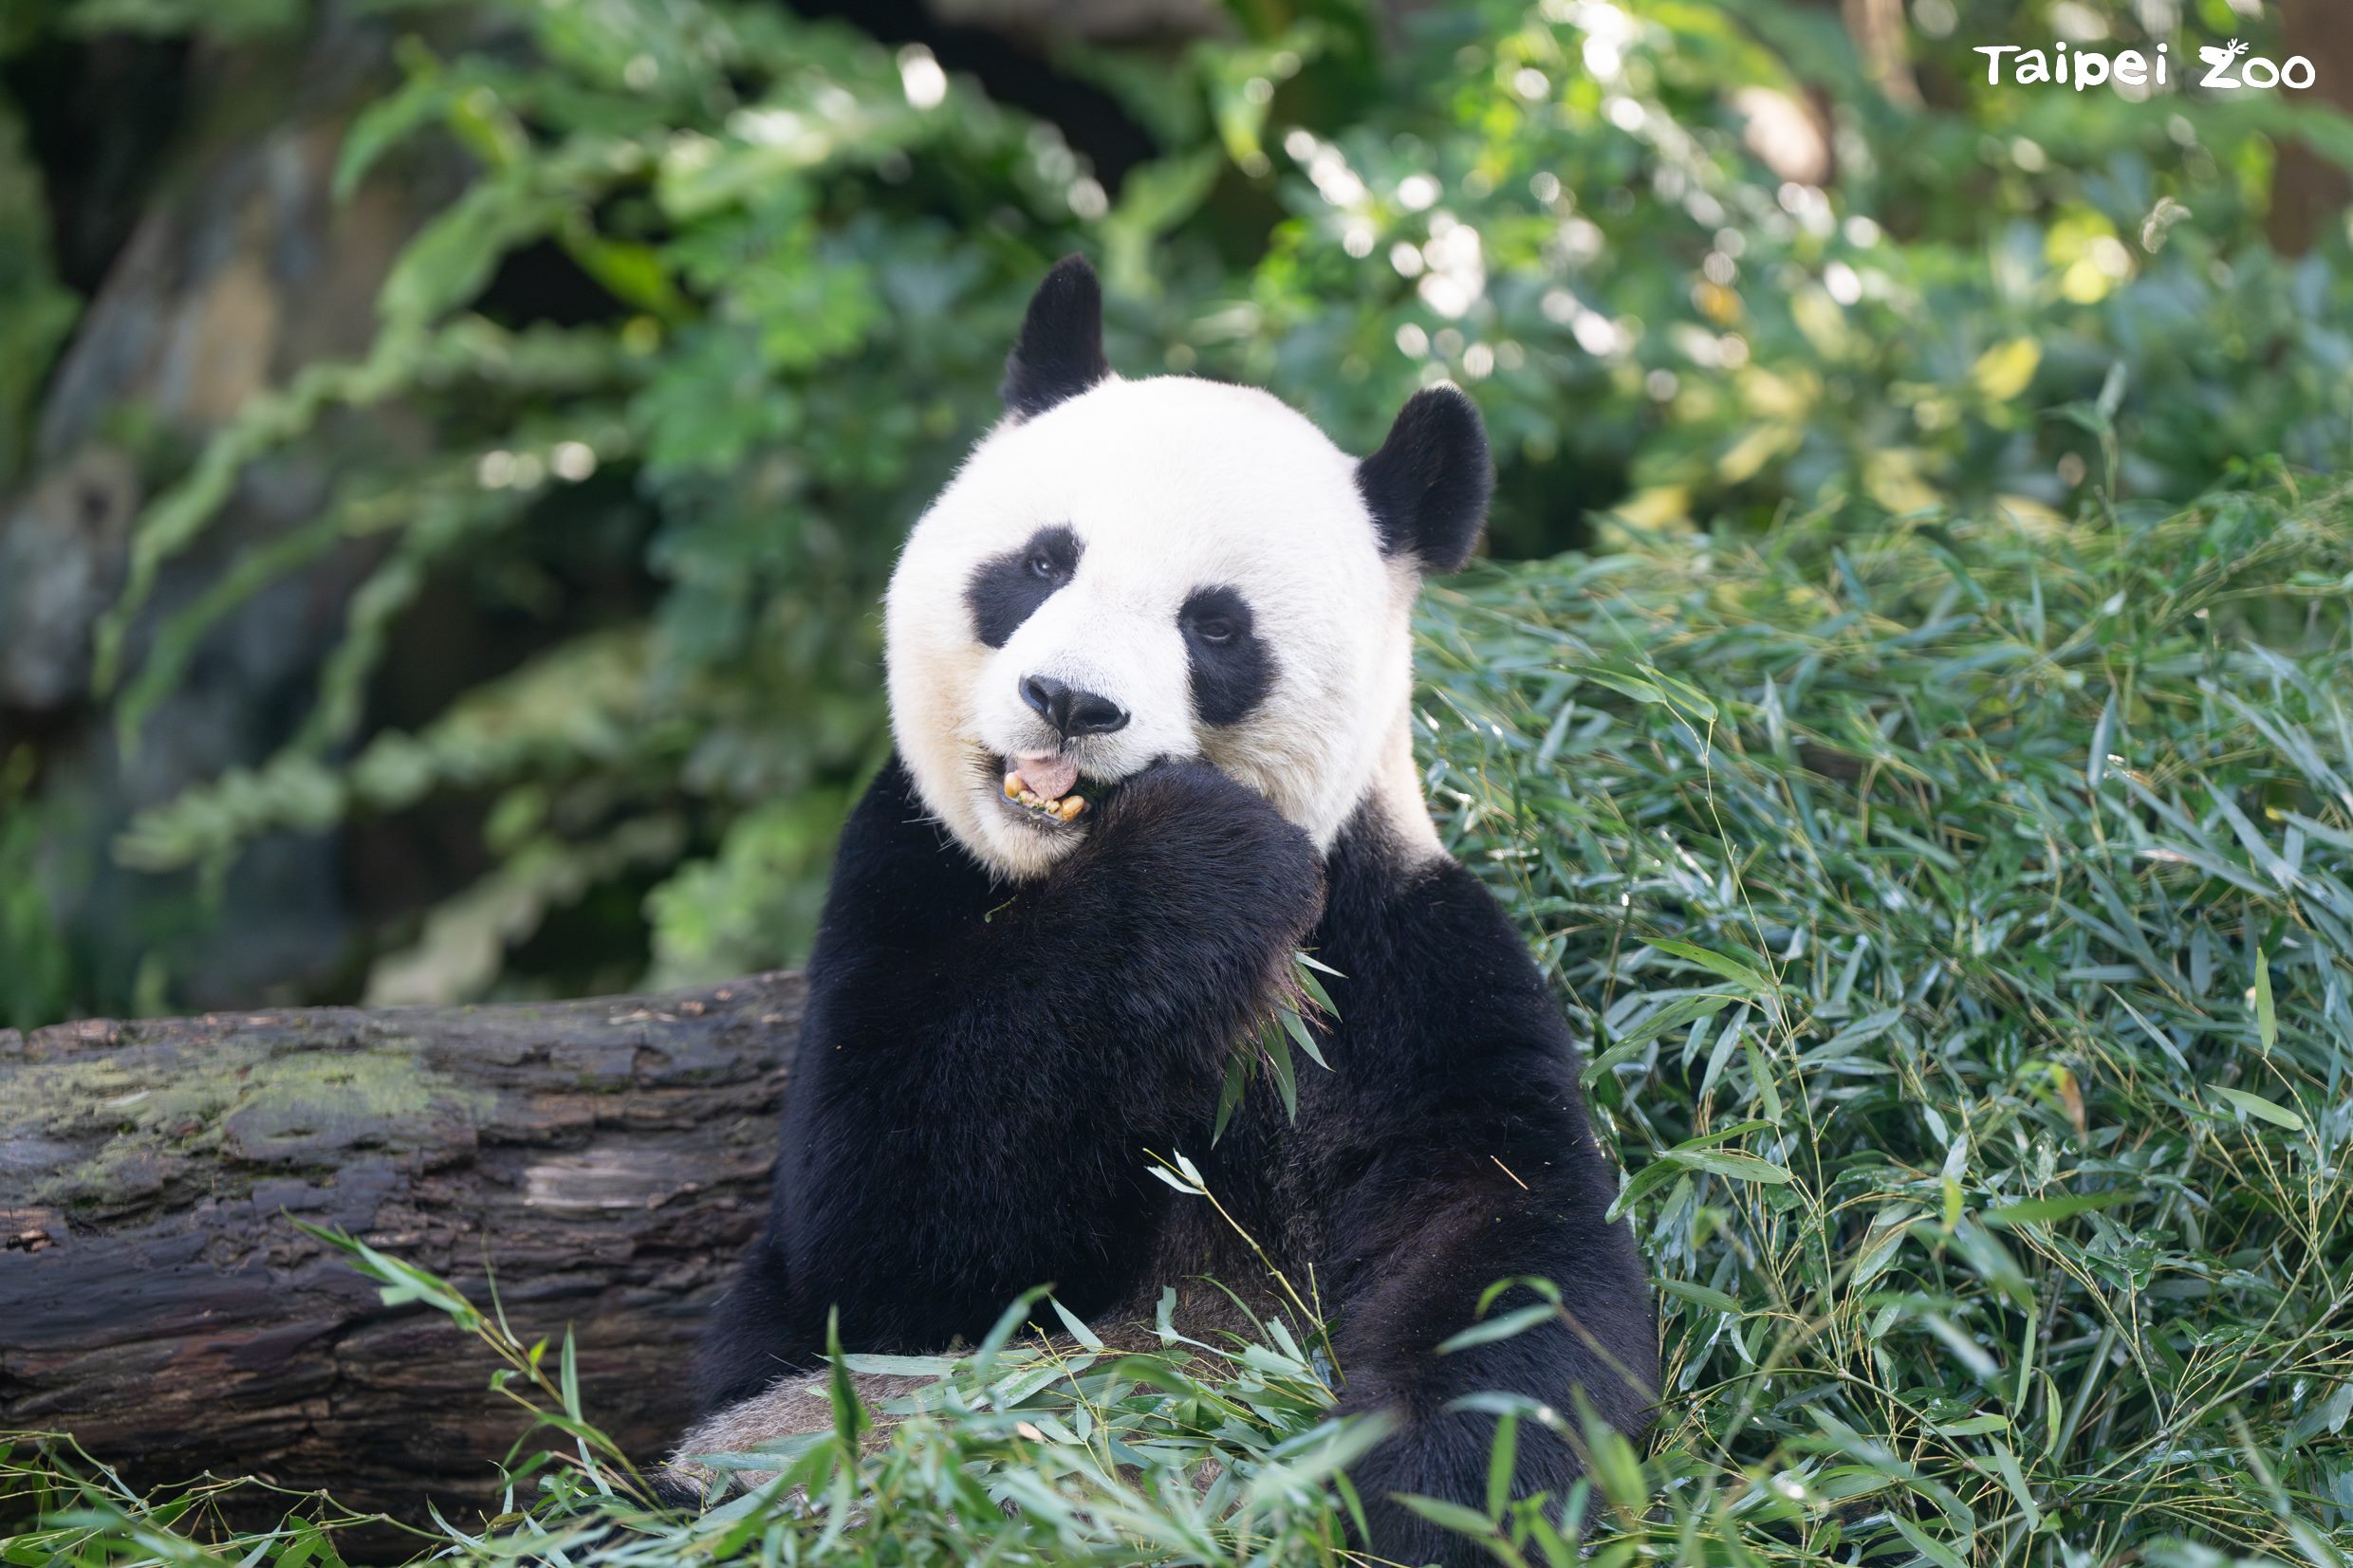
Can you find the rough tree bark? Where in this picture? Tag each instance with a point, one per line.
(606, 1157)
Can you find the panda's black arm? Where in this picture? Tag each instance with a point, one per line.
(982, 1069)
(1472, 1162)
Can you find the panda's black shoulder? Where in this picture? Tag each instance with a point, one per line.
(1437, 986)
(1424, 917)
(899, 876)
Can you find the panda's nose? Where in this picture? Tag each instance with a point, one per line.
(1072, 709)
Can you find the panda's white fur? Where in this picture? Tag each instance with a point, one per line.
(1170, 484)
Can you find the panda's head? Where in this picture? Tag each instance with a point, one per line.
(1125, 571)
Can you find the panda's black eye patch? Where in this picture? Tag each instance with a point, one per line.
(1229, 667)
(1006, 589)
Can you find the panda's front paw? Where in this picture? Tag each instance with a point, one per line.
(1194, 827)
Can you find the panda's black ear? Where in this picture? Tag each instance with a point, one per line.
(1427, 487)
(1059, 352)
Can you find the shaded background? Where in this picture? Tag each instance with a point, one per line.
(450, 455)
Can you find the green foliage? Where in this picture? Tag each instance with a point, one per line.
(811, 253)
(1640, 304)
(799, 333)
(1961, 917)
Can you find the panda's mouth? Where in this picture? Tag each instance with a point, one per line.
(1044, 792)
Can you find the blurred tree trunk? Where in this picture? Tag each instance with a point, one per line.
(1793, 134)
(607, 1160)
(2308, 193)
(1881, 35)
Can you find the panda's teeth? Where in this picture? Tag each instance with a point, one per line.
(1060, 808)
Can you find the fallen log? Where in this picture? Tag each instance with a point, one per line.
(604, 1159)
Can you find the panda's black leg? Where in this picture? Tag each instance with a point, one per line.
(1602, 1343)
(743, 1346)
(1427, 1287)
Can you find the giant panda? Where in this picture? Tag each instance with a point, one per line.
(1148, 666)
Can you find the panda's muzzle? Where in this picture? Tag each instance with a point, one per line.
(1043, 786)
(1043, 790)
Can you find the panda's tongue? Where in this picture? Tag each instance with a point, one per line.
(1051, 776)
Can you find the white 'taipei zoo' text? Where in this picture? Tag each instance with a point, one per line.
(2225, 68)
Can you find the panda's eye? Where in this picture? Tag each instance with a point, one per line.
(1215, 617)
(1041, 563)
